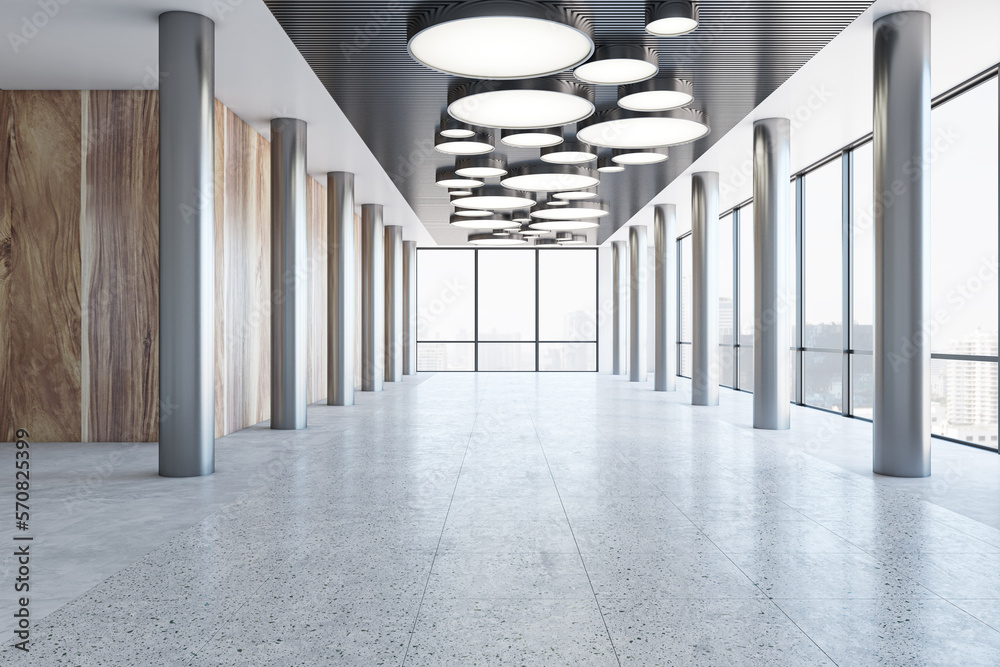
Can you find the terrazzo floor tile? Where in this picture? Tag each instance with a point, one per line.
(701, 576)
(514, 575)
(515, 632)
(896, 632)
(774, 537)
(552, 536)
(654, 632)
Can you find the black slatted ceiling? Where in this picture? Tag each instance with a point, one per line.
(742, 52)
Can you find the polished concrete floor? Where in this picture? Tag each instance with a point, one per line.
(516, 519)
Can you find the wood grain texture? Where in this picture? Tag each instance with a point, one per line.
(248, 275)
(316, 249)
(43, 185)
(220, 270)
(120, 228)
(6, 378)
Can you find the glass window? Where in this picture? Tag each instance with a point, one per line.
(446, 295)
(822, 380)
(746, 299)
(863, 384)
(822, 269)
(567, 285)
(964, 400)
(506, 356)
(506, 296)
(686, 296)
(862, 282)
(727, 314)
(446, 357)
(727, 365)
(575, 356)
(685, 361)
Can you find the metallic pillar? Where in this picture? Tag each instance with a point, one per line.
(638, 323)
(619, 285)
(289, 282)
(665, 297)
(340, 288)
(393, 303)
(372, 297)
(772, 238)
(705, 279)
(902, 139)
(409, 307)
(187, 245)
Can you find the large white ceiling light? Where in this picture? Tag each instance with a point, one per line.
(523, 104)
(447, 178)
(544, 177)
(569, 152)
(481, 167)
(656, 95)
(453, 129)
(671, 18)
(497, 240)
(500, 39)
(580, 210)
(534, 137)
(477, 144)
(573, 195)
(496, 198)
(605, 165)
(619, 63)
(563, 225)
(621, 128)
(472, 213)
(632, 156)
(494, 221)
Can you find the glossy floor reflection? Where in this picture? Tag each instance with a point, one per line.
(534, 519)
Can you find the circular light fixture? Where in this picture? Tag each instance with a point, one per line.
(521, 215)
(453, 129)
(569, 152)
(500, 39)
(492, 239)
(557, 202)
(580, 210)
(639, 155)
(656, 95)
(606, 166)
(552, 242)
(494, 221)
(459, 192)
(671, 18)
(447, 178)
(528, 231)
(544, 177)
(535, 137)
(477, 144)
(472, 213)
(495, 197)
(573, 195)
(522, 104)
(563, 225)
(566, 238)
(619, 63)
(621, 128)
(481, 167)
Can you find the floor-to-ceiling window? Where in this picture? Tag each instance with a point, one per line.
(685, 306)
(744, 298)
(727, 301)
(506, 309)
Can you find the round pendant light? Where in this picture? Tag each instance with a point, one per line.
(494, 221)
(535, 137)
(656, 95)
(521, 215)
(500, 39)
(494, 240)
(544, 177)
(606, 166)
(671, 18)
(617, 64)
(574, 195)
(621, 128)
(453, 129)
(557, 202)
(495, 197)
(481, 167)
(566, 238)
(580, 210)
(472, 213)
(459, 192)
(562, 225)
(639, 155)
(447, 178)
(522, 104)
(528, 231)
(477, 144)
(569, 152)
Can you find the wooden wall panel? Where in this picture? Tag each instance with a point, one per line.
(120, 232)
(317, 350)
(220, 270)
(6, 378)
(43, 179)
(248, 275)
